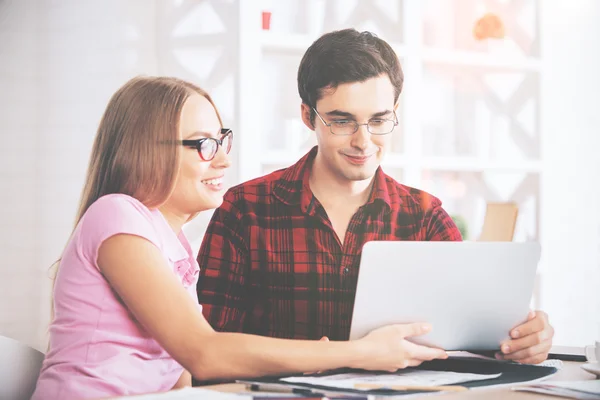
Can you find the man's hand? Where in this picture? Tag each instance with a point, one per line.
(530, 342)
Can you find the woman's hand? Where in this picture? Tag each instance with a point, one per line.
(390, 350)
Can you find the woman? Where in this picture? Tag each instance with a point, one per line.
(126, 314)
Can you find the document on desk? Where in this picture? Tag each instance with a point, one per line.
(582, 390)
(403, 378)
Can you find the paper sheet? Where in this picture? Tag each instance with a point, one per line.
(571, 394)
(403, 378)
(583, 386)
(573, 389)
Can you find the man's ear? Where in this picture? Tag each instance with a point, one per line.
(306, 111)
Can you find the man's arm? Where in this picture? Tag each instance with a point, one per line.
(439, 226)
(224, 267)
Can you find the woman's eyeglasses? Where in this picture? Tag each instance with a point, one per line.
(207, 147)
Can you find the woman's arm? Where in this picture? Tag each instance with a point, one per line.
(140, 275)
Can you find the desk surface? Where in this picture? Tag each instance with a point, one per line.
(570, 372)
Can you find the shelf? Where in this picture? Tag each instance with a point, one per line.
(281, 158)
(472, 164)
(482, 60)
(296, 43)
(458, 164)
(284, 42)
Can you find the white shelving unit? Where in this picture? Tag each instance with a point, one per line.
(274, 140)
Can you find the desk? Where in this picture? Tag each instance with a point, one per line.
(571, 371)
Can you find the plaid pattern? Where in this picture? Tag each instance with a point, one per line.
(271, 263)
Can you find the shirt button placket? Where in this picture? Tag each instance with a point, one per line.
(346, 257)
(343, 267)
(345, 282)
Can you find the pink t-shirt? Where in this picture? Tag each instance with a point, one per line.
(97, 348)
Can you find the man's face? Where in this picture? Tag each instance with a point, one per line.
(355, 157)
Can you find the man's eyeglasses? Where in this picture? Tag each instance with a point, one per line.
(207, 147)
(347, 127)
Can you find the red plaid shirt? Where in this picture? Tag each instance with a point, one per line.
(271, 263)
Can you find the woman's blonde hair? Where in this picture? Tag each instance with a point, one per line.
(131, 152)
(129, 155)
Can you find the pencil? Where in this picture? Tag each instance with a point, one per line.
(373, 386)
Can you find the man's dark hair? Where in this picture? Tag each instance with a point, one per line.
(346, 56)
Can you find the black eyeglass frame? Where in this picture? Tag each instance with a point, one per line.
(197, 143)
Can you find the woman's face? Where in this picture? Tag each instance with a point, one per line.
(199, 184)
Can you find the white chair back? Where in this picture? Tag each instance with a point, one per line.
(20, 367)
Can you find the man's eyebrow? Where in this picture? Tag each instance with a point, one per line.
(381, 113)
(340, 113)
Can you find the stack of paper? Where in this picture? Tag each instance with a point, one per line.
(407, 378)
(584, 390)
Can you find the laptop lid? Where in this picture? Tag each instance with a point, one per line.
(472, 293)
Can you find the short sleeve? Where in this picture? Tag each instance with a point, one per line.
(112, 215)
(440, 226)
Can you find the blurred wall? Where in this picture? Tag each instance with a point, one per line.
(60, 61)
(571, 181)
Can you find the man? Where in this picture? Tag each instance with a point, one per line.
(281, 255)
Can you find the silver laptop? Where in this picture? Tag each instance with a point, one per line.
(472, 293)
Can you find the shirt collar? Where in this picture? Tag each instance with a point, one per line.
(380, 193)
(293, 188)
(294, 180)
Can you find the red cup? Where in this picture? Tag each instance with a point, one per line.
(266, 20)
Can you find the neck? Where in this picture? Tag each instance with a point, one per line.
(175, 220)
(334, 190)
